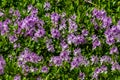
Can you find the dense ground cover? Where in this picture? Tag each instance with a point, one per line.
(59, 40)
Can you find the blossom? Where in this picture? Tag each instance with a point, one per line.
(13, 38)
(62, 25)
(40, 33)
(95, 41)
(47, 6)
(2, 65)
(114, 50)
(77, 52)
(107, 22)
(29, 7)
(71, 38)
(50, 48)
(106, 59)
(79, 39)
(28, 56)
(82, 76)
(17, 77)
(72, 26)
(94, 59)
(56, 60)
(74, 17)
(64, 45)
(55, 17)
(115, 66)
(55, 33)
(64, 55)
(44, 69)
(84, 32)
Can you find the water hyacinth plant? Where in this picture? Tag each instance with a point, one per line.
(59, 40)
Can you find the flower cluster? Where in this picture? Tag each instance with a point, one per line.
(28, 56)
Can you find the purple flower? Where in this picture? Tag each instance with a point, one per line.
(11, 10)
(30, 7)
(73, 17)
(94, 59)
(50, 48)
(80, 39)
(71, 38)
(34, 11)
(110, 41)
(4, 28)
(55, 33)
(55, 18)
(47, 6)
(56, 60)
(7, 21)
(82, 76)
(28, 56)
(106, 59)
(107, 22)
(96, 73)
(64, 55)
(17, 13)
(84, 32)
(62, 25)
(95, 12)
(96, 43)
(74, 64)
(114, 50)
(64, 45)
(26, 68)
(2, 65)
(13, 38)
(2, 61)
(72, 26)
(99, 14)
(77, 52)
(40, 33)
(44, 69)
(79, 60)
(115, 66)
(17, 77)
(16, 45)
(103, 68)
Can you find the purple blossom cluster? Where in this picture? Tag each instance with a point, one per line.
(102, 15)
(55, 17)
(76, 39)
(79, 60)
(102, 69)
(28, 56)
